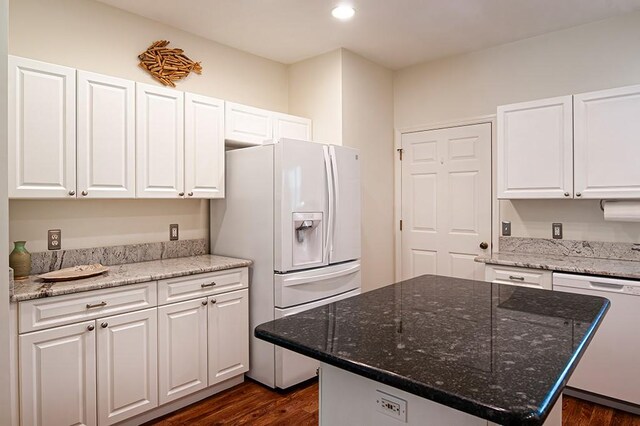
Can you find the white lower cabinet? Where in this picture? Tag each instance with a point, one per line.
(58, 376)
(523, 277)
(228, 329)
(182, 348)
(127, 365)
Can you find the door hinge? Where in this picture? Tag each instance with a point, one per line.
(401, 224)
(400, 150)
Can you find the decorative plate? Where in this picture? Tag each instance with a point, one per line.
(74, 273)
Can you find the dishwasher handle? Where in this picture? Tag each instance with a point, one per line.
(606, 286)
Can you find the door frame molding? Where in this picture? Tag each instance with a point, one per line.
(397, 178)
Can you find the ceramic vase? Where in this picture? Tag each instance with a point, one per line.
(20, 261)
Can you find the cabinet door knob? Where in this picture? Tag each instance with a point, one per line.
(85, 193)
(181, 194)
(91, 327)
(578, 194)
(484, 245)
(72, 193)
(566, 194)
(190, 194)
(104, 325)
(204, 303)
(213, 301)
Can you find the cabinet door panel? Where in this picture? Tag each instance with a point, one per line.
(204, 147)
(182, 349)
(246, 126)
(535, 149)
(159, 142)
(127, 365)
(42, 129)
(292, 127)
(106, 136)
(58, 376)
(228, 335)
(607, 143)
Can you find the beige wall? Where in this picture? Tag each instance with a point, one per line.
(590, 57)
(315, 91)
(89, 35)
(5, 371)
(367, 124)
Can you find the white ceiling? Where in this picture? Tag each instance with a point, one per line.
(394, 33)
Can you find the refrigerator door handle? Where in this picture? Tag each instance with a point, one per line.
(327, 241)
(336, 192)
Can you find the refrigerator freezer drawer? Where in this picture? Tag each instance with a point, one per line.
(293, 368)
(297, 288)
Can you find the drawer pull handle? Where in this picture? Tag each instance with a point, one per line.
(104, 325)
(90, 328)
(96, 305)
(211, 284)
(514, 277)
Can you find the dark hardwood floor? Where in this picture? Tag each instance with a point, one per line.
(253, 404)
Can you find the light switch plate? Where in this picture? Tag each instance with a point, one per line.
(556, 231)
(54, 239)
(506, 228)
(173, 232)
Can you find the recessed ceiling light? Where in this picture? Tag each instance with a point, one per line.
(343, 12)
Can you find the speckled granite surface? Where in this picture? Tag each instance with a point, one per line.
(574, 248)
(502, 353)
(578, 265)
(42, 262)
(34, 288)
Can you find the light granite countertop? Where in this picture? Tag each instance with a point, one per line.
(580, 265)
(119, 275)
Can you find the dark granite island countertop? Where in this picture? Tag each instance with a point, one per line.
(499, 352)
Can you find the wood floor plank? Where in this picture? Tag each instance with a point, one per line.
(251, 403)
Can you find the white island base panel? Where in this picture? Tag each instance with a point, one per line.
(349, 399)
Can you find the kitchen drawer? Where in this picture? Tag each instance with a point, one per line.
(534, 278)
(194, 286)
(50, 312)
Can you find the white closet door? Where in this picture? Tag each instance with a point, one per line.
(58, 376)
(182, 349)
(607, 143)
(42, 129)
(127, 364)
(535, 149)
(228, 329)
(204, 147)
(106, 136)
(159, 142)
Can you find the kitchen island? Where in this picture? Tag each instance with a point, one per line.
(441, 350)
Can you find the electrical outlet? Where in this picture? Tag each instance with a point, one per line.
(391, 406)
(506, 228)
(54, 239)
(173, 232)
(556, 231)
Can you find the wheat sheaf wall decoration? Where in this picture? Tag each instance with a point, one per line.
(167, 65)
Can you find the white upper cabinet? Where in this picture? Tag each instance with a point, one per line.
(535, 149)
(106, 136)
(292, 127)
(607, 143)
(203, 147)
(159, 142)
(247, 125)
(42, 129)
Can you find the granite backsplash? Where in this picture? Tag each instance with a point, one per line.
(42, 262)
(551, 247)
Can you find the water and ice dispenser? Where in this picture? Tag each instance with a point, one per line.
(307, 239)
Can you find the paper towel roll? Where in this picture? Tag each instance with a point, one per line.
(622, 211)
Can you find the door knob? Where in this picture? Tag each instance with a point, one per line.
(204, 303)
(484, 245)
(85, 193)
(104, 325)
(90, 328)
(72, 193)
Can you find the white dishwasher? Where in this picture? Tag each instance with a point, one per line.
(611, 365)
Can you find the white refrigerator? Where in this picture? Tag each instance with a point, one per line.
(293, 207)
